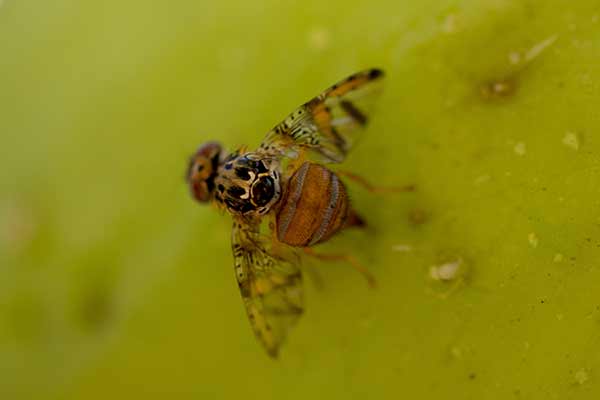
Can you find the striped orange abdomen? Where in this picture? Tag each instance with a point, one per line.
(313, 208)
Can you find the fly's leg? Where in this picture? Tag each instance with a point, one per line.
(315, 276)
(346, 258)
(373, 188)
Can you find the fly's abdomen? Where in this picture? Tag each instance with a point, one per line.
(314, 207)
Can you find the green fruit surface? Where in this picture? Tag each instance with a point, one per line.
(115, 284)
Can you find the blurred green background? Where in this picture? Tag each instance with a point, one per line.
(115, 284)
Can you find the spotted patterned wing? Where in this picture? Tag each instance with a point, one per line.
(329, 123)
(271, 287)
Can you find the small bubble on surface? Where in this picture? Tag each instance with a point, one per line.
(558, 258)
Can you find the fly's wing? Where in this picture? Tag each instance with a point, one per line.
(271, 287)
(329, 123)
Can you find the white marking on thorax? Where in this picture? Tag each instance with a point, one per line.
(246, 195)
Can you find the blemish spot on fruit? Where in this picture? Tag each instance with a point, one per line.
(447, 271)
(520, 149)
(448, 274)
(525, 57)
(17, 226)
(402, 248)
(514, 57)
(456, 352)
(417, 217)
(539, 48)
(319, 38)
(482, 179)
(506, 86)
(450, 24)
(499, 88)
(95, 308)
(571, 139)
(581, 376)
(533, 239)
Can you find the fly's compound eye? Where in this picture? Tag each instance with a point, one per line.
(202, 171)
(199, 179)
(263, 191)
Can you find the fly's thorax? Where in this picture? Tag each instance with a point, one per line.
(248, 184)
